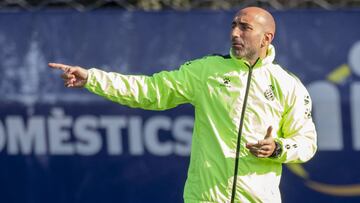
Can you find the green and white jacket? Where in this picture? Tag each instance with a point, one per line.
(216, 86)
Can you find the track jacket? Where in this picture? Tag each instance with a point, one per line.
(216, 86)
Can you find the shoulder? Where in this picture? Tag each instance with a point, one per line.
(209, 58)
(284, 75)
(289, 82)
(200, 68)
(206, 62)
(213, 58)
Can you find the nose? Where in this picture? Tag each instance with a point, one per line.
(235, 32)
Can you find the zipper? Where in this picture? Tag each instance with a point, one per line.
(240, 130)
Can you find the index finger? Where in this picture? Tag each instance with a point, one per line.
(59, 66)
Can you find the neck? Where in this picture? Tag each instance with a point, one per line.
(262, 54)
(252, 61)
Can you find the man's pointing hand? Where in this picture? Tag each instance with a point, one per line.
(74, 76)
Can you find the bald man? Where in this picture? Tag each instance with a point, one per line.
(250, 115)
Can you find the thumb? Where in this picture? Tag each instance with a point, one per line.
(268, 133)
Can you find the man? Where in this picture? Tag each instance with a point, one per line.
(250, 115)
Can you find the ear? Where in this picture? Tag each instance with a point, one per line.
(268, 37)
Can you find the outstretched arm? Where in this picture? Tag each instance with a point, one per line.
(160, 91)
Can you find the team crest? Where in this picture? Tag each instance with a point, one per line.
(269, 93)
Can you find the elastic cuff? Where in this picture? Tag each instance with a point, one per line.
(277, 151)
(89, 78)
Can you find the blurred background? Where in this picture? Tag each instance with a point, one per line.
(61, 145)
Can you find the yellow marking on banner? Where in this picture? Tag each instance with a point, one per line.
(298, 170)
(339, 74)
(338, 190)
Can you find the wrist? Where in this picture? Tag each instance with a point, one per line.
(277, 151)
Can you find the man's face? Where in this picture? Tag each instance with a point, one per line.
(246, 36)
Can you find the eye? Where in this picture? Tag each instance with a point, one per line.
(246, 27)
(233, 25)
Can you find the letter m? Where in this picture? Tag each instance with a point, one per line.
(24, 139)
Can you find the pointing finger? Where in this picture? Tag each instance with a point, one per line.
(59, 66)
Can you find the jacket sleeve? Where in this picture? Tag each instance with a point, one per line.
(299, 138)
(163, 90)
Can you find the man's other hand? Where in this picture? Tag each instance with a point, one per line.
(264, 148)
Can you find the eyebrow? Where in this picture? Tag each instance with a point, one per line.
(234, 22)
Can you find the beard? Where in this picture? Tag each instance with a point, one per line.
(246, 52)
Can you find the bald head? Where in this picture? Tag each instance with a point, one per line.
(261, 16)
(253, 30)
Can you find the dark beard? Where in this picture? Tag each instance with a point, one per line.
(248, 55)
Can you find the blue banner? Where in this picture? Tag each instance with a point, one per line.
(66, 145)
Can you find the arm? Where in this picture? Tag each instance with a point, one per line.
(163, 90)
(298, 141)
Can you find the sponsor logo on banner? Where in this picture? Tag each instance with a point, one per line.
(86, 135)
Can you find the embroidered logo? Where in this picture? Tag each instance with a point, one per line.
(269, 93)
(225, 82)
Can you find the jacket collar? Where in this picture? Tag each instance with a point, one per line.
(270, 56)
